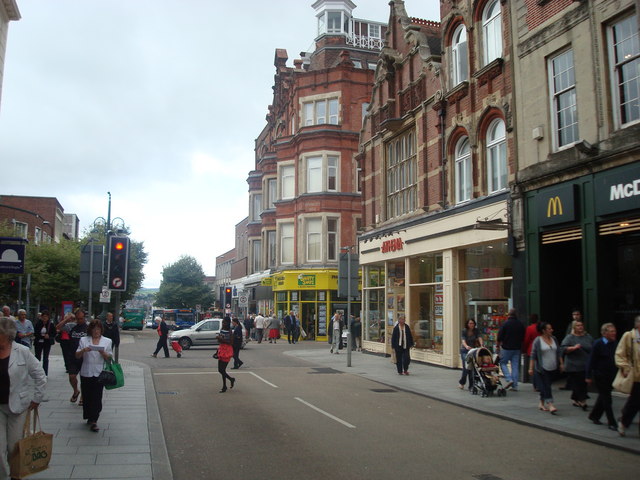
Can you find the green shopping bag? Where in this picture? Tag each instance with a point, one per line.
(116, 368)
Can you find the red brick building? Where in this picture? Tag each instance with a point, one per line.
(39, 219)
(437, 157)
(305, 201)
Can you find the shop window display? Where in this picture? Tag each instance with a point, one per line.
(427, 301)
(485, 288)
(374, 303)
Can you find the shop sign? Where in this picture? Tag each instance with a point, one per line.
(393, 245)
(618, 192)
(266, 282)
(306, 280)
(556, 205)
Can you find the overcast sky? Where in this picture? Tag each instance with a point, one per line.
(156, 101)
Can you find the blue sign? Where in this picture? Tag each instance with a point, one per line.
(12, 258)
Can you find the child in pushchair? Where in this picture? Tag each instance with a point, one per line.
(484, 373)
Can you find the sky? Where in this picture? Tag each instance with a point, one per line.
(158, 102)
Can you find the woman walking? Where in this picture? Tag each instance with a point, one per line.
(628, 360)
(470, 339)
(74, 328)
(18, 370)
(45, 333)
(274, 328)
(576, 348)
(94, 349)
(545, 361)
(225, 353)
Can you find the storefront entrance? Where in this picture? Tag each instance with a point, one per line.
(560, 283)
(619, 264)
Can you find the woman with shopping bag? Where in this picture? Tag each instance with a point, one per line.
(94, 350)
(17, 365)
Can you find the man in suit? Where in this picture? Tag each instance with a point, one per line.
(236, 342)
(601, 370)
(291, 324)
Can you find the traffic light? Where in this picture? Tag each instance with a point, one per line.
(227, 297)
(12, 288)
(118, 266)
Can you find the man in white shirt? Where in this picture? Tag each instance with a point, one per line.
(259, 327)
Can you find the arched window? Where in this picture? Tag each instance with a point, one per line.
(464, 179)
(496, 156)
(492, 31)
(459, 65)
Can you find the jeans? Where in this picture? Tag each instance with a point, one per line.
(513, 357)
(335, 341)
(42, 352)
(465, 372)
(545, 378)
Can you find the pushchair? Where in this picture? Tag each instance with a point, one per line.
(484, 373)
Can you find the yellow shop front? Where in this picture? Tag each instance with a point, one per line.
(312, 295)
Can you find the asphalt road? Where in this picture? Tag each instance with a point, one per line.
(288, 419)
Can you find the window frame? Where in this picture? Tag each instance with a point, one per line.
(464, 161)
(256, 255)
(286, 247)
(272, 192)
(555, 97)
(328, 172)
(256, 207)
(401, 174)
(317, 235)
(494, 23)
(291, 176)
(459, 56)
(499, 145)
(615, 70)
(272, 248)
(332, 236)
(322, 111)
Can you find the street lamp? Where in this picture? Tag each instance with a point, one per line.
(348, 249)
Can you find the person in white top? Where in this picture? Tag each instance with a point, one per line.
(94, 349)
(259, 327)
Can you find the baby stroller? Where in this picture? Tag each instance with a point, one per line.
(176, 347)
(484, 373)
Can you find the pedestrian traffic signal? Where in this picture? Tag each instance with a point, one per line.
(118, 266)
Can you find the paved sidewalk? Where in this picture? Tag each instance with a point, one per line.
(130, 443)
(442, 384)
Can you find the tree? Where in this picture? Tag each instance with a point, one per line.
(183, 285)
(55, 270)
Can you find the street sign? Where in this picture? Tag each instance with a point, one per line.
(116, 283)
(105, 295)
(199, 308)
(228, 305)
(12, 258)
(243, 300)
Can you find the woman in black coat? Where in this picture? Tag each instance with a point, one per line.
(44, 333)
(401, 342)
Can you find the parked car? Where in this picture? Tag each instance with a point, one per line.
(151, 323)
(205, 332)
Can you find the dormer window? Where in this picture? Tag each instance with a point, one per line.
(334, 22)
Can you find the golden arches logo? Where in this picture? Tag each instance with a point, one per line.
(554, 207)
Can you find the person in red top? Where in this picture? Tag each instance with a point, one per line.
(530, 334)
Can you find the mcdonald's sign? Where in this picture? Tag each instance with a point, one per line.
(556, 205)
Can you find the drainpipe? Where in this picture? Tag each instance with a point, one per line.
(442, 113)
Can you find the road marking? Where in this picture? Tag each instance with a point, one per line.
(260, 378)
(186, 373)
(332, 417)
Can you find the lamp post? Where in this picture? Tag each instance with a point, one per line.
(348, 249)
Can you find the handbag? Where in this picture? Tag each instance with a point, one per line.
(113, 374)
(33, 452)
(621, 383)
